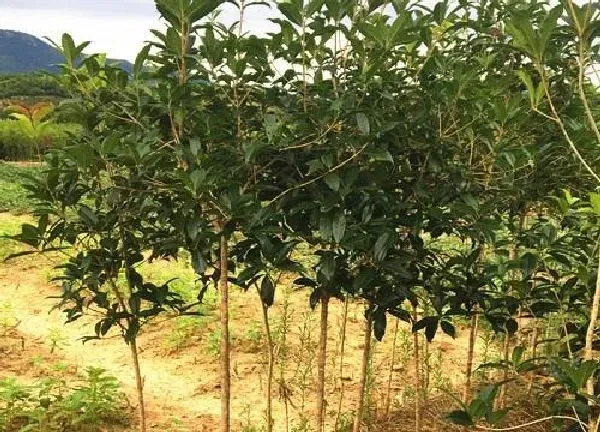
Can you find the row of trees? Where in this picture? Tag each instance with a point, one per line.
(365, 130)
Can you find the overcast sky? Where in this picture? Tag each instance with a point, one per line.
(117, 27)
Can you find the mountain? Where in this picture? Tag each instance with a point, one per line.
(23, 53)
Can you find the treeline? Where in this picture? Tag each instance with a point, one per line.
(37, 85)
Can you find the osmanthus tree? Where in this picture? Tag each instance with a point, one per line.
(554, 48)
(97, 203)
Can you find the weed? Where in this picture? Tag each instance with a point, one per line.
(8, 320)
(213, 341)
(183, 330)
(248, 425)
(304, 359)
(51, 406)
(57, 339)
(303, 424)
(254, 336)
(345, 422)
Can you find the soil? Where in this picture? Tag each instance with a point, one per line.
(182, 383)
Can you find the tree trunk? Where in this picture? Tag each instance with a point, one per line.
(321, 362)
(139, 383)
(426, 369)
(225, 348)
(363, 375)
(341, 371)
(417, 375)
(470, 351)
(534, 342)
(589, 339)
(505, 352)
(391, 372)
(265, 309)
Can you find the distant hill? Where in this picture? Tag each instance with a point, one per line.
(24, 53)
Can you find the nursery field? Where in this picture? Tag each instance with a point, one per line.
(378, 216)
(179, 354)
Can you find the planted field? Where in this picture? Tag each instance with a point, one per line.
(379, 216)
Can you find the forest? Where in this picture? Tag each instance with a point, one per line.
(383, 216)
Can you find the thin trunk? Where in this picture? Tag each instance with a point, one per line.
(391, 372)
(341, 371)
(321, 362)
(589, 339)
(506, 349)
(417, 375)
(426, 368)
(534, 342)
(470, 351)
(225, 348)
(265, 309)
(363, 375)
(139, 383)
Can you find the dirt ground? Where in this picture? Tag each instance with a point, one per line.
(182, 383)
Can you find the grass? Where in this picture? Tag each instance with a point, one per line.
(10, 225)
(13, 196)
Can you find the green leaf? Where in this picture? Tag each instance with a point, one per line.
(430, 324)
(326, 226)
(313, 7)
(267, 291)
(201, 8)
(328, 266)
(379, 154)
(448, 328)
(384, 242)
(333, 181)
(379, 324)
(460, 417)
(517, 355)
(291, 10)
(139, 60)
(339, 226)
(68, 47)
(363, 123)
(528, 263)
(595, 202)
(531, 90)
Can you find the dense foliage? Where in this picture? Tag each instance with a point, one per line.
(368, 132)
(30, 85)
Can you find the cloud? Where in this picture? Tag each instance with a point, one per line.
(104, 7)
(116, 27)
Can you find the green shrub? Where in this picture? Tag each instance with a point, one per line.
(52, 407)
(18, 144)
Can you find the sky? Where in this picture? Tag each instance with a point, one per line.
(117, 27)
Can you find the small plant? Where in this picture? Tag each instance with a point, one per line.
(8, 321)
(182, 332)
(254, 336)
(13, 402)
(57, 339)
(213, 342)
(51, 406)
(303, 424)
(345, 422)
(248, 425)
